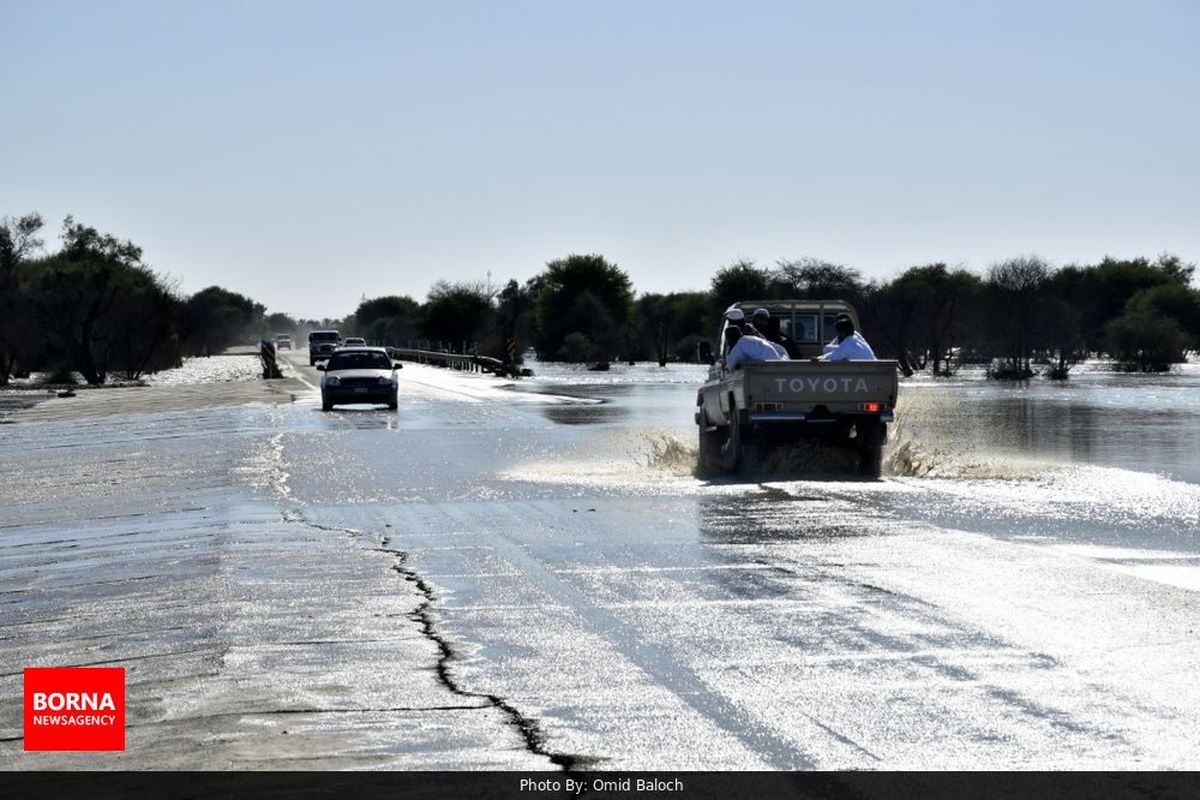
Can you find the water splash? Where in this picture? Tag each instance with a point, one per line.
(915, 450)
(670, 454)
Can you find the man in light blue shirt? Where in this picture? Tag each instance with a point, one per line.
(848, 345)
(745, 349)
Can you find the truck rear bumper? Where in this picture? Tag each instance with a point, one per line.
(789, 416)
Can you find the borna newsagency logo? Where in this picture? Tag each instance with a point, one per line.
(75, 708)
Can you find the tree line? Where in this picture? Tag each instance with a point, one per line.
(1021, 317)
(95, 307)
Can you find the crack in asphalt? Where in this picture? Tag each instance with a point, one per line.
(530, 731)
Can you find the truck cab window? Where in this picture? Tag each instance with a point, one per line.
(800, 328)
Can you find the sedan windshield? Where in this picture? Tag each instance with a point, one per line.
(359, 361)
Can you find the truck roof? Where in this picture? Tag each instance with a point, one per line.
(807, 306)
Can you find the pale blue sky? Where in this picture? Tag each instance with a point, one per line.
(308, 153)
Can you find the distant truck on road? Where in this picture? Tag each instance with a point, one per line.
(321, 345)
(773, 403)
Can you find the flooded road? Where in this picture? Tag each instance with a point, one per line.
(1022, 591)
(1017, 595)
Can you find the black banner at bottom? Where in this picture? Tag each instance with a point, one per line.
(604, 785)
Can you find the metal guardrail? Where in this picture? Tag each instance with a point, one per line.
(466, 362)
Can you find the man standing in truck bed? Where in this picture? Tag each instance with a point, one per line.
(849, 344)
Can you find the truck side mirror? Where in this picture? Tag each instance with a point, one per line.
(704, 350)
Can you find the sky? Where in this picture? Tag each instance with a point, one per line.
(308, 154)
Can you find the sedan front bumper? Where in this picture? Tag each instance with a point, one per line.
(342, 395)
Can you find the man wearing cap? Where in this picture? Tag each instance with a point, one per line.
(848, 344)
(761, 321)
(735, 315)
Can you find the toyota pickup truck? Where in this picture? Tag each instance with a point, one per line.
(773, 403)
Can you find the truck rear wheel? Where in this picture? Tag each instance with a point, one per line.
(871, 437)
(731, 451)
(710, 446)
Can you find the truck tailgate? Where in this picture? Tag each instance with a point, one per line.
(839, 386)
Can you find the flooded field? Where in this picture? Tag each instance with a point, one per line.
(1020, 591)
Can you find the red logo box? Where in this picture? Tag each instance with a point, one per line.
(75, 708)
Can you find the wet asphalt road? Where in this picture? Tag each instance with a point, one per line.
(645, 618)
(482, 579)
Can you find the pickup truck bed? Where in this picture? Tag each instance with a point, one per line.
(775, 402)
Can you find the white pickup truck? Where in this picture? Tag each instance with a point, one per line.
(771, 403)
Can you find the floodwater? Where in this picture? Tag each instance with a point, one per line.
(535, 576)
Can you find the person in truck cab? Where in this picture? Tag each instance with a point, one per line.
(747, 349)
(848, 344)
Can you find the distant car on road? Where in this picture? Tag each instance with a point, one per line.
(358, 375)
(354, 341)
(283, 342)
(321, 345)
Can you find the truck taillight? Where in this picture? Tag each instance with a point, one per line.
(871, 408)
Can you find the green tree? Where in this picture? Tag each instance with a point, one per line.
(1064, 321)
(1109, 285)
(457, 314)
(1143, 341)
(1014, 293)
(145, 324)
(952, 306)
(391, 319)
(216, 318)
(19, 342)
(810, 278)
(691, 320)
(1174, 301)
(920, 317)
(78, 294)
(891, 311)
(583, 294)
(671, 326)
(736, 282)
(277, 323)
(656, 319)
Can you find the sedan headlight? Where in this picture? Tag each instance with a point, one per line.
(332, 380)
(386, 381)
